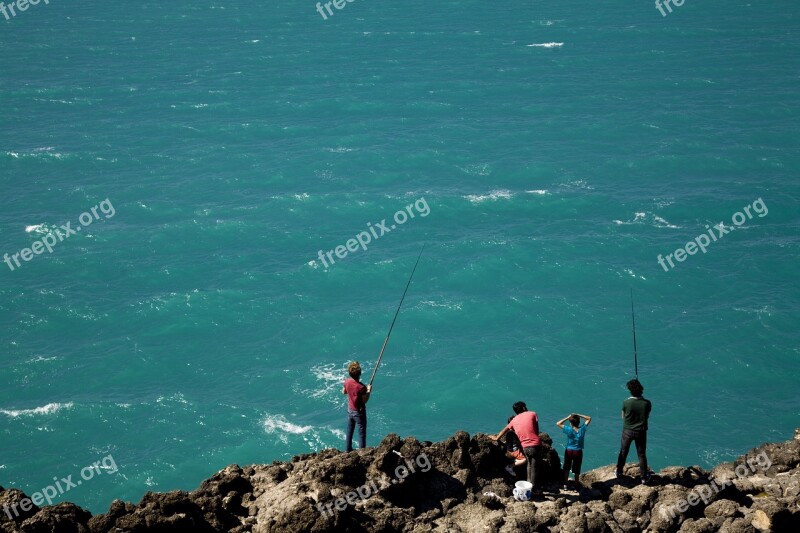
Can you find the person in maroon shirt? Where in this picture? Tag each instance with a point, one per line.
(526, 426)
(357, 398)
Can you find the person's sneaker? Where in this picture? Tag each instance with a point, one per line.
(618, 474)
(646, 478)
(510, 470)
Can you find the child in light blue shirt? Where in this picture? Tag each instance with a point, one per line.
(573, 455)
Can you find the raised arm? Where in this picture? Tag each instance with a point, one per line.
(560, 423)
(587, 418)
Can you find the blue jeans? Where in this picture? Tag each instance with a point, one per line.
(356, 417)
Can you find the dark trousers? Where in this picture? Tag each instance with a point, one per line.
(573, 459)
(532, 454)
(638, 436)
(356, 417)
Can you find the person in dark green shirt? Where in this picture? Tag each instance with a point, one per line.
(635, 413)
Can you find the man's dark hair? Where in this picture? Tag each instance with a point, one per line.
(635, 387)
(575, 420)
(519, 407)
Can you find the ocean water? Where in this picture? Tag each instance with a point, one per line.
(556, 149)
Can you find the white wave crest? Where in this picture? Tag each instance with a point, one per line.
(38, 228)
(493, 196)
(279, 424)
(329, 382)
(649, 219)
(547, 45)
(50, 408)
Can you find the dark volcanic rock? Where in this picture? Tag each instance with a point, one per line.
(455, 485)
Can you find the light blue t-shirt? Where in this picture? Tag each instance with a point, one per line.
(574, 437)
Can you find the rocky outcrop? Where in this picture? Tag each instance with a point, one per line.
(456, 485)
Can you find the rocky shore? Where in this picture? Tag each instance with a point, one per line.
(455, 485)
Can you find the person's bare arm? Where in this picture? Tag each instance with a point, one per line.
(499, 435)
(623, 415)
(587, 418)
(560, 423)
(365, 396)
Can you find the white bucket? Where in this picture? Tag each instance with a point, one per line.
(523, 491)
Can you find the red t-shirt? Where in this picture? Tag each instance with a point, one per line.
(355, 391)
(526, 426)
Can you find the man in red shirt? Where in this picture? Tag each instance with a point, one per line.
(357, 398)
(526, 426)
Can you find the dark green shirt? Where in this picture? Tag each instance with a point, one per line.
(636, 412)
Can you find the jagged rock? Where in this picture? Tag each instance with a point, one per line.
(701, 525)
(573, 521)
(737, 525)
(105, 522)
(775, 514)
(64, 517)
(13, 511)
(722, 509)
(409, 486)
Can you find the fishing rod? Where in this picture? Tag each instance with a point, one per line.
(386, 340)
(635, 355)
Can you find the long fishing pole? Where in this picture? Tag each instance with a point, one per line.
(386, 340)
(635, 355)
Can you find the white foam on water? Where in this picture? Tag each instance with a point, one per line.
(330, 378)
(48, 409)
(36, 227)
(338, 433)
(445, 304)
(633, 274)
(662, 223)
(547, 45)
(279, 424)
(648, 219)
(176, 398)
(40, 153)
(491, 196)
(42, 359)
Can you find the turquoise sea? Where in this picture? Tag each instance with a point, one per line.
(560, 148)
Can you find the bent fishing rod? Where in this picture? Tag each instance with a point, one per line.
(635, 355)
(386, 340)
